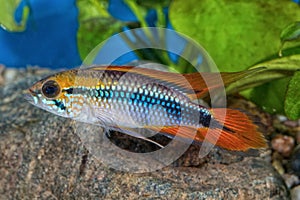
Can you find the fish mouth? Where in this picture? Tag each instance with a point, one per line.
(28, 95)
(32, 92)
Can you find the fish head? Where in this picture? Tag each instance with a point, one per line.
(55, 94)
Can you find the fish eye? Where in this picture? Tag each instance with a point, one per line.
(50, 89)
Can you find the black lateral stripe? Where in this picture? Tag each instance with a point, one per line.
(228, 129)
(60, 104)
(216, 124)
(69, 90)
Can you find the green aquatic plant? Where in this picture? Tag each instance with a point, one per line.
(7, 13)
(289, 33)
(292, 101)
(247, 34)
(95, 25)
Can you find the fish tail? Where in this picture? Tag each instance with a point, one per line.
(232, 131)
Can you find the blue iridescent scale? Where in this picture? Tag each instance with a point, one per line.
(137, 99)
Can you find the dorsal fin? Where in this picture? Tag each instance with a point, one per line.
(205, 81)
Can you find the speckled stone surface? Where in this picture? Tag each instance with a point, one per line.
(42, 157)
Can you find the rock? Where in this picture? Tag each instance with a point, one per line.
(291, 123)
(10, 75)
(42, 156)
(283, 144)
(2, 69)
(295, 161)
(291, 180)
(278, 166)
(295, 193)
(298, 136)
(282, 118)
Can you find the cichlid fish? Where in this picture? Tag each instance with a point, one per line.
(124, 98)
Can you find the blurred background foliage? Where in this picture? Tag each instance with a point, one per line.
(237, 34)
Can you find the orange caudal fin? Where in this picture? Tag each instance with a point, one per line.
(239, 133)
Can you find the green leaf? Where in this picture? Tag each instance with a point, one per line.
(89, 9)
(292, 99)
(269, 71)
(291, 32)
(7, 15)
(237, 34)
(269, 96)
(153, 3)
